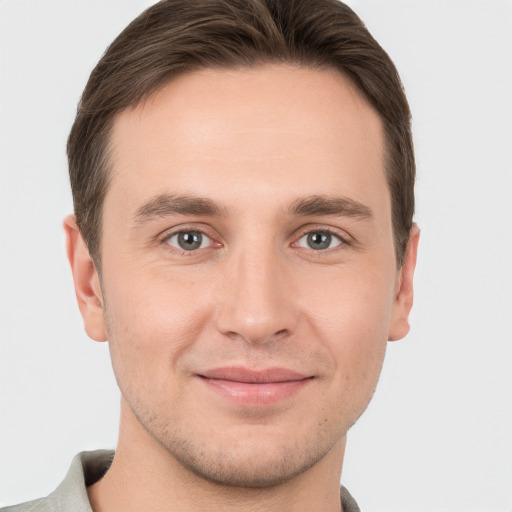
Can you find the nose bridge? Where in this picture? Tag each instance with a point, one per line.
(256, 304)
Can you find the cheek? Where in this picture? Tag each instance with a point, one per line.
(352, 317)
(151, 321)
(355, 303)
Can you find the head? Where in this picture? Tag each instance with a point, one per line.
(243, 176)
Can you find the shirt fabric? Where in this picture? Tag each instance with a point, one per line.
(86, 469)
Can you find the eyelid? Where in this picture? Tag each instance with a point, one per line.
(205, 240)
(342, 235)
(313, 228)
(176, 230)
(333, 238)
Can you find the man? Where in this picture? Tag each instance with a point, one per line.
(242, 175)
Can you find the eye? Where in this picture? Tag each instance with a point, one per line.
(189, 240)
(319, 240)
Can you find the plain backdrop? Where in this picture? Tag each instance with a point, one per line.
(437, 436)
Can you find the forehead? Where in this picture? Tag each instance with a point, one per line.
(224, 132)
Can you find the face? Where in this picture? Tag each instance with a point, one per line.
(249, 283)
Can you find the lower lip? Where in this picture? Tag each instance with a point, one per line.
(255, 394)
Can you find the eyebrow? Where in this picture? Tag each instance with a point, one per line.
(167, 204)
(327, 205)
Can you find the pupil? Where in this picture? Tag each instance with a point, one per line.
(319, 240)
(190, 240)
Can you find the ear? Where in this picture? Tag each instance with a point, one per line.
(404, 289)
(86, 280)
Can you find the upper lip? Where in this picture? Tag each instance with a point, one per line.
(251, 376)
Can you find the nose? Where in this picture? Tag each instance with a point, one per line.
(256, 300)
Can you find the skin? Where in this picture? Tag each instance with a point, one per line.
(256, 294)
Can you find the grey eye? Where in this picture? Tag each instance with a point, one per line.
(319, 240)
(189, 240)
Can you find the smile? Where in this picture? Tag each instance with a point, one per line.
(251, 388)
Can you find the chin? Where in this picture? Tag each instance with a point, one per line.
(256, 468)
(250, 458)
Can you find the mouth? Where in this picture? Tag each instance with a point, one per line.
(254, 388)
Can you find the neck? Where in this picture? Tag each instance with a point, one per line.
(144, 476)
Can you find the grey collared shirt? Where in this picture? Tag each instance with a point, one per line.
(89, 467)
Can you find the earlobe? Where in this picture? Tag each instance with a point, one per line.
(86, 281)
(405, 290)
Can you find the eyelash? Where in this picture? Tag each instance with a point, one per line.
(182, 252)
(344, 240)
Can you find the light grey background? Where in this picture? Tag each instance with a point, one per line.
(438, 434)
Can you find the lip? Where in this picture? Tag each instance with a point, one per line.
(254, 388)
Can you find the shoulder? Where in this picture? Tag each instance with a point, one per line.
(71, 494)
(40, 505)
(348, 503)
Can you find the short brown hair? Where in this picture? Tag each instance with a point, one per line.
(178, 36)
